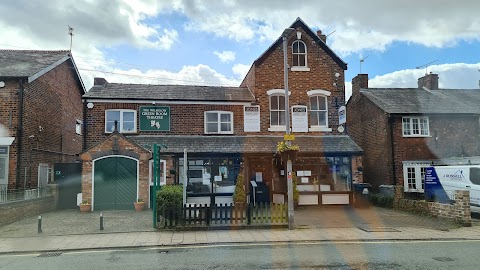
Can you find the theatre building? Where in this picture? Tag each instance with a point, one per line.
(225, 131)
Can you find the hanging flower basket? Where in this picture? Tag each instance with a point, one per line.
(287, 152)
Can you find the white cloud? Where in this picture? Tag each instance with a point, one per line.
(225, 56)
(454, 76)
(240, 70)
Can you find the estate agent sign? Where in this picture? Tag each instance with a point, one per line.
(154, 118)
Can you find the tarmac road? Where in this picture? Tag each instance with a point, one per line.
(326, 255)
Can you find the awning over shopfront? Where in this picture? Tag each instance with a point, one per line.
(250, 144)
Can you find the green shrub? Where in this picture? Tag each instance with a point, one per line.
(296, 195)
(239, 195)
(380, 200)
(169, 197)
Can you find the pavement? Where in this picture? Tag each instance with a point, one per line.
(70, 230)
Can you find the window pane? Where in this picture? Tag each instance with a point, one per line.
(475, 176)
(314, 118)
(313, 104)
(424, 126)
(423, 171)
(282, 118)
(415, 126)
(301, 60)
(295, 60)
(322, 118)
(225, 117)
(295, 47)
(212, 127)
(321, 103)
(225, 127)
(301, 47)
(3, 170)
(274, 102)
(411, 178)
(281, 102)
(212, 117)
(128, 116)
(406, 126)
(128, 126)
(274, 118)
(113, 115)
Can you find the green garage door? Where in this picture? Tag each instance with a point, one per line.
(115, 184)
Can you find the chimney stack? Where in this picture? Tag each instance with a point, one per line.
(429, 81)
(99, 82)
(321, 36)
(360, 81)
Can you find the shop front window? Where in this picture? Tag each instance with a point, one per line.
(323, 174)
(210, 175)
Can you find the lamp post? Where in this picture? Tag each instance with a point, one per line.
(285, 35)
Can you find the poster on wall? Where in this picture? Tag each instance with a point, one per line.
(342, 115)
(251, 118)
(299, 118)
(154, 118)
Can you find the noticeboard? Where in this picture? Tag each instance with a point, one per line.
(154, 118)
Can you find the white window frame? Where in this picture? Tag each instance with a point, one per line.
(7, 164)
(120, 123)
(297, 54)
(410, 125)
(78, 126)
(419, 180)
(318, 127)
(276, 127)
(219, 122)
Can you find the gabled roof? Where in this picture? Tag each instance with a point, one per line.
(340, 144)
(421, 101)
(300, 23)
(32, 64)
(169, 92)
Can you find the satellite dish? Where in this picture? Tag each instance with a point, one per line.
(90, 105)
(2, 84)
(341, 129)
(337, 75)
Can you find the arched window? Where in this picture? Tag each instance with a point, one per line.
(299, 54)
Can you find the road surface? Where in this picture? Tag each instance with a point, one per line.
(323, 255)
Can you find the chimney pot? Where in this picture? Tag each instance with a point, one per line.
(359, 82)
(429, 81)
(99, 81)
(322, 36)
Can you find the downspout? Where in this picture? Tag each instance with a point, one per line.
(394, 169)
(84, 125)
(19, 133)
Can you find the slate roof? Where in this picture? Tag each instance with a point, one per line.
(25, 63)
(421, 101)
(169, 92)
(248, 144)
(300, 23)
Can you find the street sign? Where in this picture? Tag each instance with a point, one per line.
(289, 176)
(154, 118)
(289, 137)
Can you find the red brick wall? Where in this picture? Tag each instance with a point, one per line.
(52, 101)
(9, 106)
(269, 75)
(185, 119)
(368, 126)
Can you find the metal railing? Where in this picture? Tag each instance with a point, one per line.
(9, 195)
(223, 215)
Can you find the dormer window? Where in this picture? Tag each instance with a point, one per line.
(299, 56)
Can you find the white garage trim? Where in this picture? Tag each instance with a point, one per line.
(93, 174)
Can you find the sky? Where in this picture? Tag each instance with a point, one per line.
(207, 42)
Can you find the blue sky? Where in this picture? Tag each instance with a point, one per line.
(215, 42)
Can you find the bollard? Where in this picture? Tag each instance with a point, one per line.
(39, 224)
(101, 221)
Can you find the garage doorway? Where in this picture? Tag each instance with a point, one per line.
(115, 183)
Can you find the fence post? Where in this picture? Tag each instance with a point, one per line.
(209, 214)
(39, 229)
(249, 214)
(101, 221)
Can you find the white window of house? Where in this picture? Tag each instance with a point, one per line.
(218, 122)
(126, 119)
(319, 110)
(414, 176)
(277, 111)
(415, 127)
(78, 127)
(299, 54)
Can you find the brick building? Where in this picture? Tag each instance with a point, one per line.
(41, 115)
(403, 130)
(226, 131)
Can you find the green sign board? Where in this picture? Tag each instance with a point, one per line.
(154, 118)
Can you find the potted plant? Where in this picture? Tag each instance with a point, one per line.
(139, 205)
(84, 207)
(296, 194)
(287, 151)
(239, 196)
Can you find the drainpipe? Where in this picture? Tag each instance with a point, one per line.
(391, 121)
(19, 132)
(84, 133)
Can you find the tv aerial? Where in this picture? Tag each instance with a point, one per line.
(426, 66)
(361, 61)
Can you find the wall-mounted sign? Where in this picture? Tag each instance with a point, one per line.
(342, 115)
(251, 118)
(299, 118)
(3, 150)
(154, 118)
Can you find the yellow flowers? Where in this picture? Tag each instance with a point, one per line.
(283, 146)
